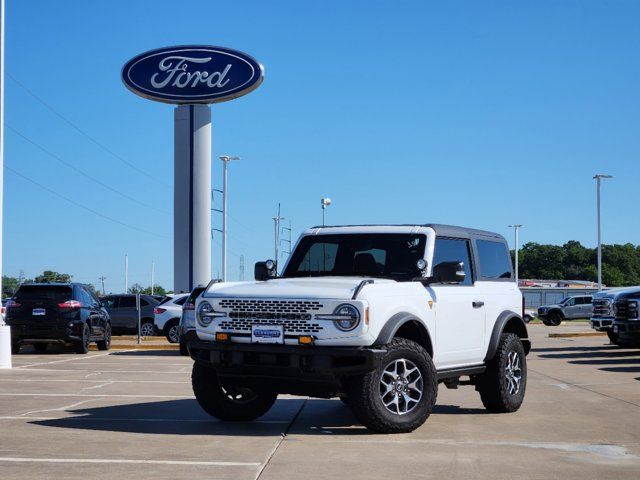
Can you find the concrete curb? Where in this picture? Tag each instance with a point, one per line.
(577, 334)
(136, 347)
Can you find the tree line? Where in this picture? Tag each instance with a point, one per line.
(573, 261)
(11, 284)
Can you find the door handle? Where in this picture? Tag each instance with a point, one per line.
(477, 304)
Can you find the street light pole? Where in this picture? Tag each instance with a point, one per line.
(325, 202)
(276, 232)
(516, 227)
(225, 160)
(598, 177)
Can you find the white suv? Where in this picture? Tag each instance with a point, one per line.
(375, 315)
(167, 316)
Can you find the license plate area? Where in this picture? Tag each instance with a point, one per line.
(38, 312)
(267, 334)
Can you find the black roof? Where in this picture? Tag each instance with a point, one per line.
(440, 229)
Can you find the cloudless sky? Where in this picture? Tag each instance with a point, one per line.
(479, 114)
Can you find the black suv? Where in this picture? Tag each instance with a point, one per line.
(67, 313)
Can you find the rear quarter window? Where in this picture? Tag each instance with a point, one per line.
(494, 259)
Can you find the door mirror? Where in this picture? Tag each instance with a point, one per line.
(449, 272)
(265, 270)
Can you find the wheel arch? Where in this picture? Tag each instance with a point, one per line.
(556, 310)
(508, 322)
(406, 325)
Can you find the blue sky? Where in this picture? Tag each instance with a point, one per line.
(473, 113)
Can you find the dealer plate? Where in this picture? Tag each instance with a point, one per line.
(267, 334)
(38, 311)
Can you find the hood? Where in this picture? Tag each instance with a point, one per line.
(617, 294)
(315, 287)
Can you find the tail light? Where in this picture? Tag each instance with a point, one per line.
(158, 311)
(189, 306)
(13, 304)
(70, 304)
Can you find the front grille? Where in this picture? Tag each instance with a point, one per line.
(270, 306)
(294, 315)
(621, 309)
(602, 308)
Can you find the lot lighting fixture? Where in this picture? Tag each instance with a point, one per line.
(225, 160)
(325, 202)
(598, 178)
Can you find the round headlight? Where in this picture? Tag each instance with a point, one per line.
(349, 317)
(203, 309)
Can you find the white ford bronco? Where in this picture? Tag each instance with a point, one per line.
(375, 315)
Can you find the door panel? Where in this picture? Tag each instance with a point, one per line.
(459, 325)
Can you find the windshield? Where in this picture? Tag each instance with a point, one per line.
(357, 255)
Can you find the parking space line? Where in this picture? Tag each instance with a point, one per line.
(65, 360)
(126, 461)
(103, 371)
(89, 395)
(70, 380)
(141, 420)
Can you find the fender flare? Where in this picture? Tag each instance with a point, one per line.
(555, 310)
(392, 326)
(498, 328)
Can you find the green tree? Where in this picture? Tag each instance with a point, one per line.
(49, 276)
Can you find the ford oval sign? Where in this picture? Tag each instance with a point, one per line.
(192, 74)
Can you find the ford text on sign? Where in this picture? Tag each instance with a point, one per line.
(192, 74)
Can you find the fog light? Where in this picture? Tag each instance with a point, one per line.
(222, 337)
(305, 340)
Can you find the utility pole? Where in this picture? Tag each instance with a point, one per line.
(102, 279)
(276, 231)
(598, 177)
(225, 160)
(126, 273)
(516, 227)
(153, 268)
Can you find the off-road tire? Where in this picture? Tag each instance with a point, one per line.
(554, 319)
(365, 398)
(106, 343)
(172, 324)
(40, 347)
(82, 346)
(493, 385)
(212, 397)
(184, 351)
(613, 337)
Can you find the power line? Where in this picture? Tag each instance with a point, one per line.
(84, 174)
(83, 133)
(79, 205)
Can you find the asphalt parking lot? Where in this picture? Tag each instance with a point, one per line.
(132, 414)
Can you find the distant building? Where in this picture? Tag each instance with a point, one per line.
(557, 283)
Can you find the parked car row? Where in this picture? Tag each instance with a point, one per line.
(71, 314)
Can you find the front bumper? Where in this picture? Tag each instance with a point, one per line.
(601, 324)
(626, 327)
(44, 334)
(317, 371)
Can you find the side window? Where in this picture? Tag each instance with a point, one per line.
(127, 302)
(110, 302)
(453, 250)
(571, 302)
(180, 301)
(494, 260)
